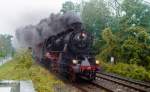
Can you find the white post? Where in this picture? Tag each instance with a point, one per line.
(112, 60)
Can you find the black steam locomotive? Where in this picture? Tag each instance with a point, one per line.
(69, 53)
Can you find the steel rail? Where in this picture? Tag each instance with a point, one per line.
(122, 82)
(126, 79)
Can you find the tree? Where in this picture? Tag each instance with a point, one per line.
(70, 6)
(94, 15)
(136, 13)
(136, 49)
(5, 45)
(111, 46)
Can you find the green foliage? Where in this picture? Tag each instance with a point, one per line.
(21, 67)
(5, 45)
(129, 70)
(108, 37)
(70, 6)
(94, 15)
(136, 12)
(143, 36)
(136, 46)
(133, 49)
(111, 47)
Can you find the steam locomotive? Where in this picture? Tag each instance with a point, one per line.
(69, 53)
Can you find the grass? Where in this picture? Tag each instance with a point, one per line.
(22, 67)
(127, 70)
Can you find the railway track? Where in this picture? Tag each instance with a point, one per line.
(113, 83)
(106, 82)
(88, 86)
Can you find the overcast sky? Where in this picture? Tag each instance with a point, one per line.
(18, 13)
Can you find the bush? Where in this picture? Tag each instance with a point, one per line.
(21, 67)
(128, 70)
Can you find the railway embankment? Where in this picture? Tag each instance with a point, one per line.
(22, 67)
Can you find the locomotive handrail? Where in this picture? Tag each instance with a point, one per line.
(57, 51)
(62, 33)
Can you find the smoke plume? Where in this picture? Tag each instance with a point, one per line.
(32, 35)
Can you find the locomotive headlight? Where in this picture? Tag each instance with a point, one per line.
(97, 62)
(75, 61)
